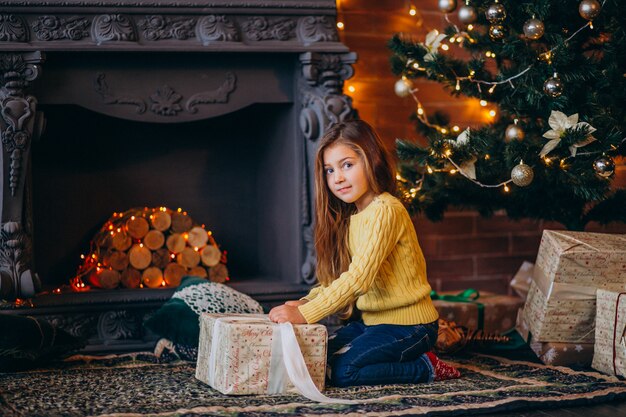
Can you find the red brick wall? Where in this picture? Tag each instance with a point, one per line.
(464, 250)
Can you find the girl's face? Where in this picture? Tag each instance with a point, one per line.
(346, 176)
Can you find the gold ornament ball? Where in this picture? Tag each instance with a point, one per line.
(447, 6)
(589, 9)
(403, 87)
(604, 166)
(467, 14)
(514, 132)
(495, 13)
(553, 87)
(522, 175)
(534, 29)
(497, 32)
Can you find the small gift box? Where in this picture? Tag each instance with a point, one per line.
(610, 345)
(241, 354)
(493, 313)
(570, 266)
(556, 353)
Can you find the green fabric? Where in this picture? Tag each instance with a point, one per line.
(188, 281)
(469, 295)
(26, 342)
(179, 323)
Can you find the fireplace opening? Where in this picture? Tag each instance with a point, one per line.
(239, 174)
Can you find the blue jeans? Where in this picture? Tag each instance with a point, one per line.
(381, 354)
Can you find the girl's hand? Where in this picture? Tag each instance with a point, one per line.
(296, 303)
(287, 313)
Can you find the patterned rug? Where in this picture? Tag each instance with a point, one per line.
(138, 385)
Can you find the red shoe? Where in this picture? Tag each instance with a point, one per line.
(443, 371)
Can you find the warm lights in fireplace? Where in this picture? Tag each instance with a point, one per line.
(110, 262)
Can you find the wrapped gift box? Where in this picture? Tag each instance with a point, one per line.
(556, 353)
(570, 266)
(499, 311)
(610, 345)
(241, 354)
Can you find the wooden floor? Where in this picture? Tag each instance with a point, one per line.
(611, 409)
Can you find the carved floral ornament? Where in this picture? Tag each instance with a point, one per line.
(323, 101)
(17, 111)
(153, 28)
(158, 27)
(16, 280)
(165, 101)
(48, 28)
(12, 29)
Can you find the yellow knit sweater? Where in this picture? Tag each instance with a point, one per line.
(387, 274)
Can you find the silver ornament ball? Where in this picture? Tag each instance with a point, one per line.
(514, 132)
(447, 6)
(467, 14)
(522, 175)
(534, 29)
(604, 166)
(403, 87)
(495, 13)
(497, 32)
(589, 9)
(553, 86)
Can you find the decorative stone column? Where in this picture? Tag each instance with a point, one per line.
(20, 124)
(323, 104)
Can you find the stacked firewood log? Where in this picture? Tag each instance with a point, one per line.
(151, 247)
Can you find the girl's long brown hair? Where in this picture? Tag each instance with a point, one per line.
(331, 214)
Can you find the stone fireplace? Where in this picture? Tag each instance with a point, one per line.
(215, 107)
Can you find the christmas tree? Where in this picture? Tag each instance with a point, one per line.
(556, 72)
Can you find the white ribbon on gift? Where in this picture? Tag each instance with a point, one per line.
(286, 360)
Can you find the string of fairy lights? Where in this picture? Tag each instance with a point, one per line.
(521, 174)
(138, 246)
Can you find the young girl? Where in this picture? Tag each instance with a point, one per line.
(368, 254)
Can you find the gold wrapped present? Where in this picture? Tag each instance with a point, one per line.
(241, 354)
(492, 313)
(610, 345)
(556, 353)
(570, 266)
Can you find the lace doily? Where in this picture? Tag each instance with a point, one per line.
(212, 297)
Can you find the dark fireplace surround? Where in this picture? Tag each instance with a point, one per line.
(216, 107)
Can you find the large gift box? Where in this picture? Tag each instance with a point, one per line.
(493, 313)
(570, 266)
(556, 353)
(610, 346)
(241, 354)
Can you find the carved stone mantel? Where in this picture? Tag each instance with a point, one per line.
(169, 25)
(20, 124)
(197, 60)
(323, 104)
